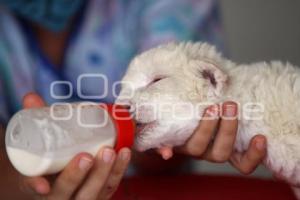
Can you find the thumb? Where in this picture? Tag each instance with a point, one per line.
(33, 100)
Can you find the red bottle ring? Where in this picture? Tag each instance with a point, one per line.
(124, 125)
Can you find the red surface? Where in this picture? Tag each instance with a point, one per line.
(202, 187)
(124, 124)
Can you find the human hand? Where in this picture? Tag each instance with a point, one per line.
(85, 177)
(221, 149)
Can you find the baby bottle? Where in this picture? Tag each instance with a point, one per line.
(42, 141)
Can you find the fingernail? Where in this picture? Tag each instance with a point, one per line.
(107, 155)
(260, 144)
(125, 155)
(85, 163)
(213, 111)
(230, 110)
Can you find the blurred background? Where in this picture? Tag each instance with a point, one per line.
(257, 30)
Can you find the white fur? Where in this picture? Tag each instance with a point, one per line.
(274, 85)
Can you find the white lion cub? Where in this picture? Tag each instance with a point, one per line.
(169, 87)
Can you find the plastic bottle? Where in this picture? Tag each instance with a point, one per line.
(42, 141)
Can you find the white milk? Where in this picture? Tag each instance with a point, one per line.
(42, 141)
(31, 164)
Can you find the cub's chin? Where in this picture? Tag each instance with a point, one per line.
(151, 135)
(144, 136)
(157, 134)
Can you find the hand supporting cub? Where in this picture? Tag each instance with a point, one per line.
(221, 149)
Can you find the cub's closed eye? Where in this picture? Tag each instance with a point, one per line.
(156, 79)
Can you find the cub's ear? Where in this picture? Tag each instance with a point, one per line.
(213, 76)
